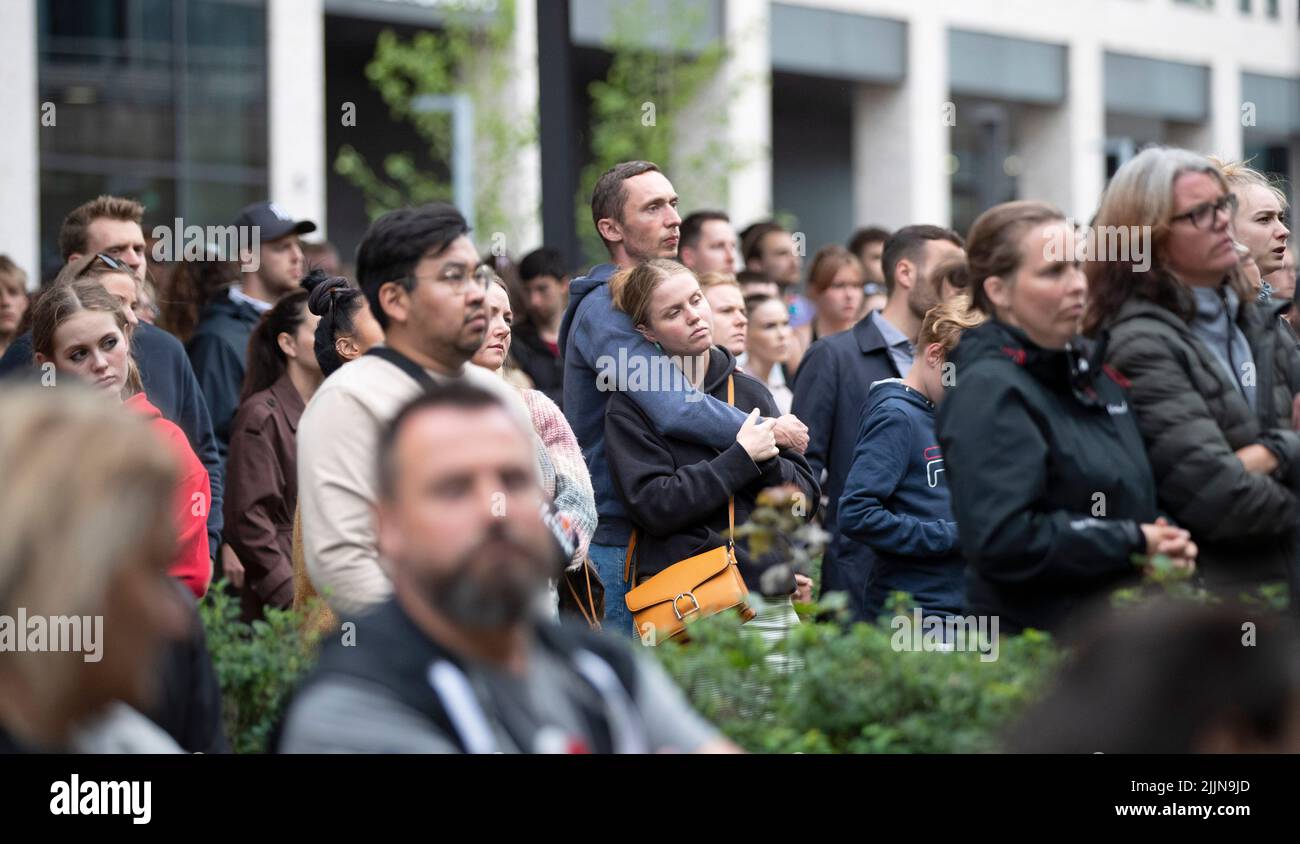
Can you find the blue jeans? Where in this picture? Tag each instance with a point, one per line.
(609, 560)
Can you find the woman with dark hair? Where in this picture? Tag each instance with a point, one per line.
(346, 329)
(262, 472)
(1049, 479)
(1209, 370)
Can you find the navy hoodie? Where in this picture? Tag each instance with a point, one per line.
(218, 352)
(896, 501)
(604, 353)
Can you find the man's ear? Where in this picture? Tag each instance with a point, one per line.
(75, 256)
(610, 229)
(389, 538)
(395, 300)
(905, 274)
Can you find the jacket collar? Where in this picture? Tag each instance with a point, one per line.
(868, 336)
(286, 395)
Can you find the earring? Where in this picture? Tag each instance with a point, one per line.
(659, 347)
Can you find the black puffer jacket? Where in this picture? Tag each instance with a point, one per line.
(1194, 417)
(1049, 479)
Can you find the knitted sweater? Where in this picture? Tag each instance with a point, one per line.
(569, 482)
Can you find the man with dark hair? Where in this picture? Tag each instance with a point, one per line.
(111, 226)
(708, 243)
(220, 343)
(869, 245)
(416, 267)
(754, 283)
(461, 659)
(634, 208)
(770, 249)
(536, 347)
(837, 372)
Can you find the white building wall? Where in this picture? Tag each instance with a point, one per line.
(20, 141)
(296, 108)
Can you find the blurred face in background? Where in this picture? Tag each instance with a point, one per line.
(778, 259)
(870, 257)
(282, 266)
(127, 291)
(768, 338)
(715, 252)
(841, 300)
(13, 304)
(496, 345)
(729, 320)
(1259, 226)
(546, 297)
(122, 240)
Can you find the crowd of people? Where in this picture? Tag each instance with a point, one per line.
(429, 448)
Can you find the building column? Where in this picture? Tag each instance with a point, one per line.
(296, 107)
(1063, 148)
(1225, 131)
(747, 78)
(20, 178)
(527, 170)
(900, 137)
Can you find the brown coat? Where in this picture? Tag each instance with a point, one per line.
(262, 493)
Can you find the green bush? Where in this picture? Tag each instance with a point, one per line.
(851, 691)
(257, 665)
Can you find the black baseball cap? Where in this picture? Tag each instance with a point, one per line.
(272, 221)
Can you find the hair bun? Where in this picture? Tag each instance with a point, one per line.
(320, 288)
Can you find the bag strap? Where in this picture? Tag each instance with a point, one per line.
(731, 500)
(405, 364)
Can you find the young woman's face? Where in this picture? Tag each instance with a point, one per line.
(769, 331)
(1199, 255)
(496, 343)
(90, 346)
(300, 347)
(1259, 226)
(679, 317)
(1046, 295)
(842, 299)
(729, 320)
(13, 304)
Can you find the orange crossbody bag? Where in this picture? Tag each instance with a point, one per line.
(691, 589)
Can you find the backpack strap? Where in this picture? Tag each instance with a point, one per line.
(405, 364)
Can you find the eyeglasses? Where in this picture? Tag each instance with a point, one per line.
(1201, 216)
(461, 283)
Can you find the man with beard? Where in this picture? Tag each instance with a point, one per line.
(417, 269)
(837, 371)
(459, 660)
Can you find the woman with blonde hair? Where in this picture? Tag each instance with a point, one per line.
(1209, 374)
(82, 332)
(13, 300)
(1259, 222)
(84, 536)
(1048, 474)
(676, 492)
(896, 497)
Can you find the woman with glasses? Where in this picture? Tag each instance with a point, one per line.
(1209, 387)
(1048, 476)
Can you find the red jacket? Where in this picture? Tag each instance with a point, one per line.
(192, 566)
